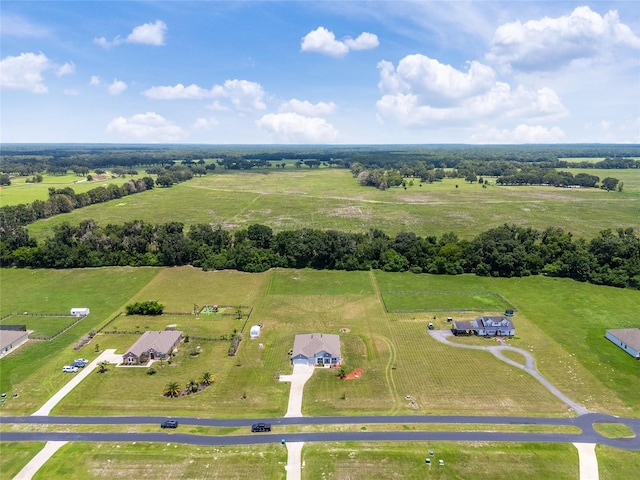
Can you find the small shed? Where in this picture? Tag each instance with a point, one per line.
(255, 331)
(80, 312)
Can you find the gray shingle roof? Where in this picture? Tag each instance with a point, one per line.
(308, 344)
(630, 336)
(161, 342)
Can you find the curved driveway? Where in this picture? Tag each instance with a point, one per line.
(529, 367)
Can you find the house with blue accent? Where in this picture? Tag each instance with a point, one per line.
(628, 339)
(319, 349)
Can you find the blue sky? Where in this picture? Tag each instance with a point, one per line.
(331, 72)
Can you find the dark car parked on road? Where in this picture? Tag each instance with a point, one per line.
(261, 427)
(169, 424)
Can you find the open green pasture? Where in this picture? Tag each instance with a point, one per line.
(15, 455)
(333, 199)
(614, 464)
(559, 321)
(22, 192)
(164, 460)
(462, 460)
(42, 326)
(414, 301)
(192, 325)
(34, 370)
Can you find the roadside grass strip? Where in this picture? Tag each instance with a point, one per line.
(15, 455)
(164, 460)
(477, 460)
(613, 430)
(231, 431)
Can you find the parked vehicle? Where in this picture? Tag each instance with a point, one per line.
(69, 369)
(81, 360)
(169, 424)
(261, 427)
(78, 364)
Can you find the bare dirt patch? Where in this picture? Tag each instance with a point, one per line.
(355, 375)
(349, 212)
(344, 330)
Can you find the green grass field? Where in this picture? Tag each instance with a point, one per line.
(410, 301)
(41, 326)
(333, 199)
(22, 192)
(461, 460)
(397, 355)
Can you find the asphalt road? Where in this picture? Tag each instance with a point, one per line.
(585, 422)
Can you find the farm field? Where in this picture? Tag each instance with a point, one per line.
(332, 199)
(395, 351)
(21, 192)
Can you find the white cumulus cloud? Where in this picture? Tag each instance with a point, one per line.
(117, 87)
(324, 41)
(177, 92)
(551, 43)
(146, 127)
(24, 72)
(205, 123)
(520, 134)
(244, 95)
(147, 34)
(66, 69)
(95, 81)
(307, 108)
(291, 127)
(422, 90)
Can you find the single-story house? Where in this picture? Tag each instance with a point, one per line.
(485, 326)
(316, 349)
(152, 345)
(11, 339)
(80, 312)
(628, 339)
(255, 331)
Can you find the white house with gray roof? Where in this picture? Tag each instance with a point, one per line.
(628, 339)
(152, 345)
(320, 349)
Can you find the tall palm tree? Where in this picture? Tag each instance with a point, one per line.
(207, 379)
(192, 386)
(172, 389)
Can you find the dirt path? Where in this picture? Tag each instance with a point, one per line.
(529, 367)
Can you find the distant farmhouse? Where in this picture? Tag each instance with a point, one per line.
(485, 327)
(152, 345)
(628, 339)
(316, 349)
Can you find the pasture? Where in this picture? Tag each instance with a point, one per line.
(394, 350)
(22, 192)
(332, 199)
(41, 326)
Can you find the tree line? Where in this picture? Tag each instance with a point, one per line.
(612, 258)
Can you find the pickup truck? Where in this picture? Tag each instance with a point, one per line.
(261, 427)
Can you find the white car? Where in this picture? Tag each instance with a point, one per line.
(69, 369)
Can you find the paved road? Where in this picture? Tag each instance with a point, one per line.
(584, 422)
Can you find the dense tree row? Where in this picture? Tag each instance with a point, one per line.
(65, 200)
(26, 160)
(612, 258)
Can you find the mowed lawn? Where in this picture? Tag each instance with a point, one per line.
(394, 350)
(332, 199)
(462, 460)
(164, 460)
(34, 370)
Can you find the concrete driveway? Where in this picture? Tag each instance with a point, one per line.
(301, 373)
(108, 356)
